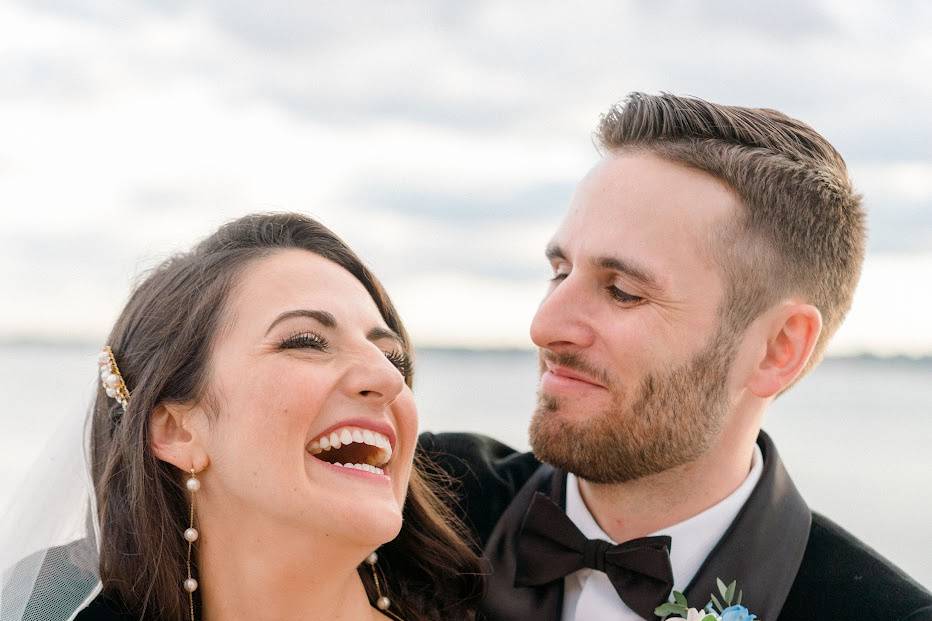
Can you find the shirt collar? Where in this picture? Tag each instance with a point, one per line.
(693, 538)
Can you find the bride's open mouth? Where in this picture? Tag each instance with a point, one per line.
(353, 447)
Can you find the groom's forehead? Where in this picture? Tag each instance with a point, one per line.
(599, 233)
(646, 210)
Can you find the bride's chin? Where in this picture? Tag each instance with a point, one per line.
(357, 505)
(369, 522)
(387, 530)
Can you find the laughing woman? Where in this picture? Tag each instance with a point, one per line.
(253, 443)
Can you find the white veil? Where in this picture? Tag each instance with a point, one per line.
(49, 533)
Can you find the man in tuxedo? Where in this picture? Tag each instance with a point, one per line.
(700, 271)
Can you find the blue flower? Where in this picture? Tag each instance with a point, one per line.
(737, 613)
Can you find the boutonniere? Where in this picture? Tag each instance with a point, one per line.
(715, 610)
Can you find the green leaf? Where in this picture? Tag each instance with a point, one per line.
(709, 618)
(718, 604)
(740, 593)
(721, 587)
(679, 598)
(730, 594)
(670, 608)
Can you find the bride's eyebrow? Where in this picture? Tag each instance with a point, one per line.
(384, 333)
(329, 321)
(326, 319)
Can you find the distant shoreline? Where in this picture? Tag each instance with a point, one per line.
(74, 344)
(866, 357)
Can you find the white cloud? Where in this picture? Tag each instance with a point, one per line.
(896, 181)
(890, 314)
(458, 309)
(441, 142)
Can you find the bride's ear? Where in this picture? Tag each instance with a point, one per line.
(176, 436)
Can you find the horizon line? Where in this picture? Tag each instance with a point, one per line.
(10, 342)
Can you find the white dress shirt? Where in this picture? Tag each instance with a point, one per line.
(588, 595)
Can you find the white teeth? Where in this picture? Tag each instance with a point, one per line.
(350, 435)
(364, 468)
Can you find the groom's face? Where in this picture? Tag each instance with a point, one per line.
(634, 360)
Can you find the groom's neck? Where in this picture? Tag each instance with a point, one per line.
(643, 506)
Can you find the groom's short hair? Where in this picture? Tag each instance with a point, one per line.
(802, 229)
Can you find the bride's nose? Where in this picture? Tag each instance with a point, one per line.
(373, 378)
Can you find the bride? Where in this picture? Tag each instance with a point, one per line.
(252, 450)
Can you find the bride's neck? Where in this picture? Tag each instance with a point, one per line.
(254, 571)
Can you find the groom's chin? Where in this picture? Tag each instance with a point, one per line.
(558, 416)
(554, 438)
(576, 408)
(590, 446)
(546, 404)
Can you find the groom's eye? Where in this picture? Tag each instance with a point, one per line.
(623, 296)
(560, 271)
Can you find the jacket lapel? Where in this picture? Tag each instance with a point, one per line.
(503, 600)
(763, 548)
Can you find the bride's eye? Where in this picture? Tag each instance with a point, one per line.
(401, 361)
(301, 340)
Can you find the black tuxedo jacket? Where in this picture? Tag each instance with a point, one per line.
(792, 564)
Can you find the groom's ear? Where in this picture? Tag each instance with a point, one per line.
(791, 330)
(176, 436)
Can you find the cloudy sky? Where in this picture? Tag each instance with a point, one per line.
(442, 140)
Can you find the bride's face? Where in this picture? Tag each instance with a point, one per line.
(305, 376)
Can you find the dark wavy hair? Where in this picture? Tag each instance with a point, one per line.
(162, 342)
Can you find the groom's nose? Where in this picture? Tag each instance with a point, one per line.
(563, 322)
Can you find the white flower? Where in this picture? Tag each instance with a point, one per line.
(691, 615)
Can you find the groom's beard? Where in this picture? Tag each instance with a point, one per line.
(670, 419)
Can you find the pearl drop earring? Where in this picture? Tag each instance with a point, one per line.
(382, 603)
(191, 535)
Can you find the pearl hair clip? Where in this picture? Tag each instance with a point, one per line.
(111, 378)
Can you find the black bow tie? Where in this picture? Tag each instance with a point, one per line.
(551, 547)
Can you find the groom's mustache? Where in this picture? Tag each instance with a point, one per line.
(576, 363)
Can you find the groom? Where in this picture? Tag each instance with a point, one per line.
(702, 267)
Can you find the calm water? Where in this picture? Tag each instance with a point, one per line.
(855, 435)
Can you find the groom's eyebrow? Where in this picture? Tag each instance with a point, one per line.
(637, 272)
(554, 251)
(634, 270)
